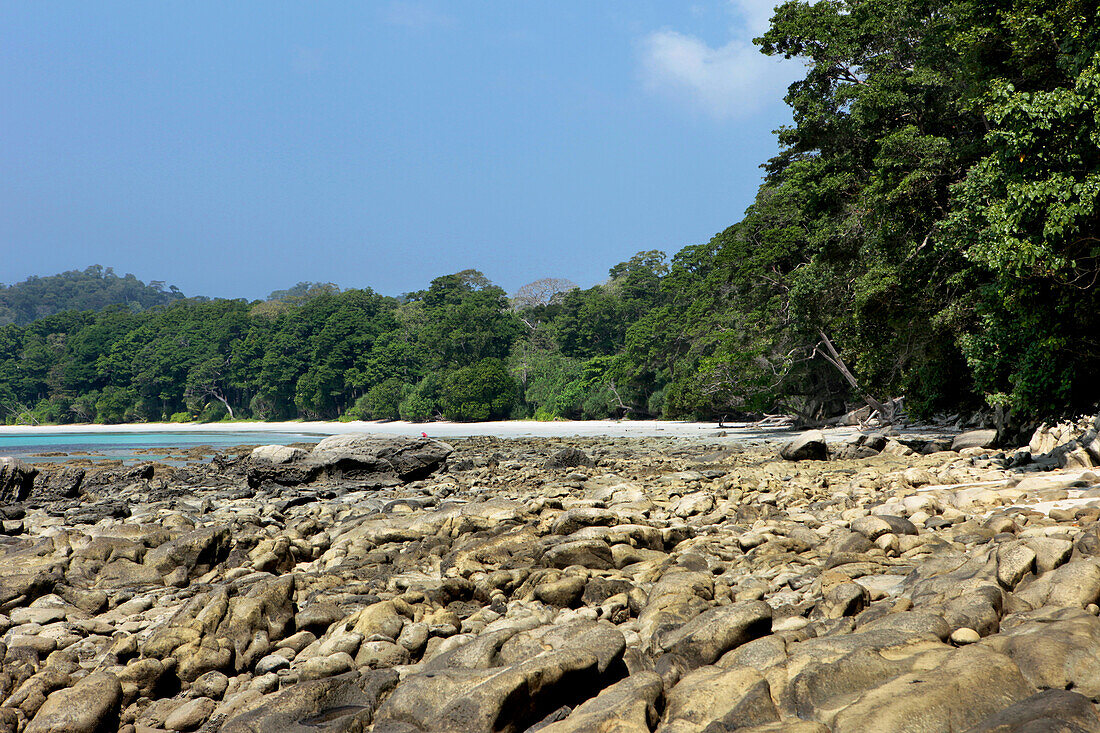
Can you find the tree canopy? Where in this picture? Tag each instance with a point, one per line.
(93, 288)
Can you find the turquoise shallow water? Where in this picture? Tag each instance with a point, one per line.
(136, 446)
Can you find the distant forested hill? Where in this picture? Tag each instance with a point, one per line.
(93, 289)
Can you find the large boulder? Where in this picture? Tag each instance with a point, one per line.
(627, 706)
(968, 686)
(88, 706)
(712, 698)
(810, 446)
(409, 458)
(57, 484)
(708, 636)
(257, 619)
(569, 458)
(374, 460)
(344, 702)
(277, 454)
(1054, 649)
(674, 600)
(197, 551)
(23, 578)
(820, 679)
(597, 637)
(1049, 710)
(974, 439)
(1075, 584)
(214, 631)
(497, 700)
(1069, 444)
(16, 480)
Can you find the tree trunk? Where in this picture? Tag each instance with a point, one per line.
(221, 399)
(833, 357)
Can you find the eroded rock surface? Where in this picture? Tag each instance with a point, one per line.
(628, 585)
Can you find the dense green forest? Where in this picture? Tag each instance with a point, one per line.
(90, 289)
(929, 228)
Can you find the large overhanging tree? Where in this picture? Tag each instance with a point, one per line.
(940, 179)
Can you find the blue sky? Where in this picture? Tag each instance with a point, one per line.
(236, 148)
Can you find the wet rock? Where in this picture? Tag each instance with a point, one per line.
(16, 480)
(568, 458)
(56, 485)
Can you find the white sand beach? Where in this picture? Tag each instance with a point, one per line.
(732, 432)
(500, 429)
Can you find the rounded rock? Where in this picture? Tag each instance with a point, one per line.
(414, 636)
(964, 636)
(212, 684)
(271, 663)
(321, 667)
(191, 715)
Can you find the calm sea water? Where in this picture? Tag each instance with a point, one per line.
(126, 446)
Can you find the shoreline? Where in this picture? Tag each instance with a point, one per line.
(502, 428)
(740, 432)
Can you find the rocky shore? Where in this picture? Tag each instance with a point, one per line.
(622, 585)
